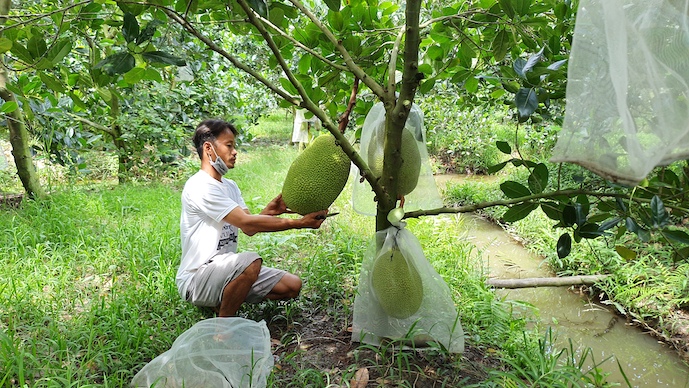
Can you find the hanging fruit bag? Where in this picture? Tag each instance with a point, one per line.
(401, 296)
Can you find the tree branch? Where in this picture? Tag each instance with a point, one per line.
(507, 202)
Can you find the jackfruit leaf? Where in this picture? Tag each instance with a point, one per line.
(538, 179)
(631, 225)
(564, 245)
(51, 82)
(134, 75)
(59, 50)
(119, 63)
(676, 235)
(506, 6)
(395, 216)
(148, 32)
(556, 65)
(569, 215)
(260, 7)
(334, 5)
(658, 212)
(621, 205)
(511, 86)
(518, 66)
(513, 189)
(625, 252)
(471, 85)
(130, 27)
(681, 254)
(153, 75)
(504, 147)
(526, 101)
(609, 224)
(287, 85)
(518, 212)
(9, 107)
(500, 45)
(163, 57)
(36, 47)
(552, 210)
(5, 45)
(589, 230)
(495, 168)
(532, 61)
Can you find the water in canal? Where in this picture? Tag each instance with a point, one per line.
(645, 361)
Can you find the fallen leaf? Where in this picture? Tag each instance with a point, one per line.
(360, 379)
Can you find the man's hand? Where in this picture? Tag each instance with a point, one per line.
(315, 219)
(276, 207)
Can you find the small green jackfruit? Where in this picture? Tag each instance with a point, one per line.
(408, 177)
(316, 177)
(396, 284)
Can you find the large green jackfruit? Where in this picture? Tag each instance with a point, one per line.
(316, 177)
(396, 284)
(408, 177)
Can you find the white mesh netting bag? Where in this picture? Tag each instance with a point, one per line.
(425, 196)
(400, 296)
(628, 88)
(216, 352)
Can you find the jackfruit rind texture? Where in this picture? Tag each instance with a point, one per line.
(316, 177)
(408, 177)
(396, 284)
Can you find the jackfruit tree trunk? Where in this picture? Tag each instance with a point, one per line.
(396, 113)
(19, 136)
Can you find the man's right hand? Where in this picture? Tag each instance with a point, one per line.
(315, 219)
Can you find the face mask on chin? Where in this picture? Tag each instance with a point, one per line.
(219, 165)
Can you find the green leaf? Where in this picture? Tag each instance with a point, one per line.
(51, 82)
(5, 45)
(518, 212)
(119, 63)
(334, 5)
(134, 75)
(9, 107)
(658, 213)
(538, 179)
(36, 47)
(495, 168)
(504, 147)
(564, 245)
(130, 27)
(625, 252)
(526, 101)
(471, 85)
(551, 210)
(152, 74)
(513, 189)
(501, 45)
(679, 236)
(589, 230)
(569, 215)
(163, 57)
(21, 53)
(435, 52)
(59, 50)
(260, 7)
(609, 224)
(148, 32)
(506, 6)
(287, 85)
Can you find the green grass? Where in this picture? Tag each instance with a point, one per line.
(88, 296)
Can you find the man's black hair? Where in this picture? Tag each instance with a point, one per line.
(209, 130)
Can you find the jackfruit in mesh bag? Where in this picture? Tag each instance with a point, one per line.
(216, 352)
(627, 105)
(416, 180)
(401, 297)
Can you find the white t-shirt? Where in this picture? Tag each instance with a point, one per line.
(204, 234)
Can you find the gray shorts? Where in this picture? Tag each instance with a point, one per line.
(206, 286)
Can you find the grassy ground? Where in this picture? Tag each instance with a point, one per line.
(88, 297)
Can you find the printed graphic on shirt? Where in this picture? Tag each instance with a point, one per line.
(228, 236)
